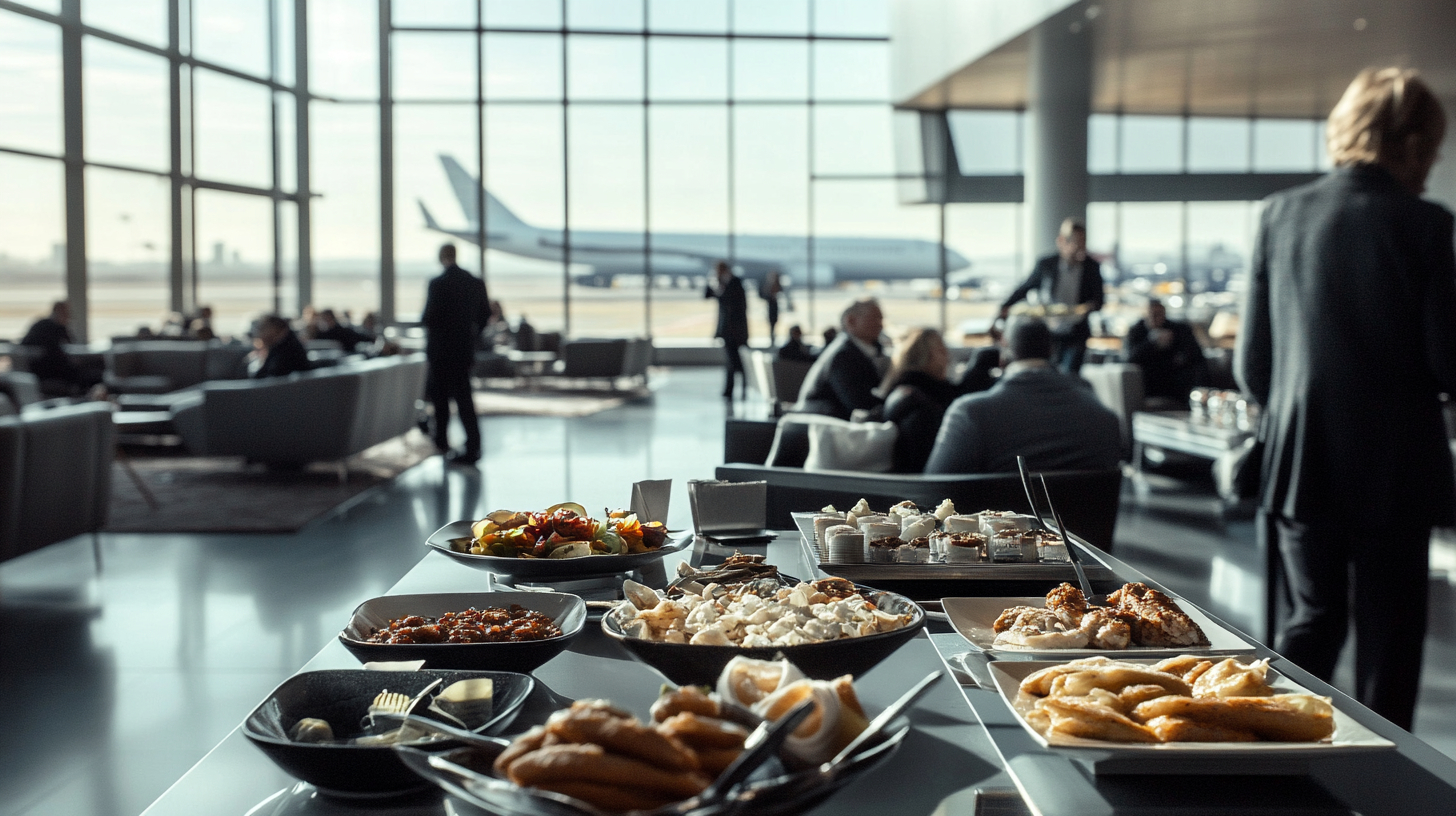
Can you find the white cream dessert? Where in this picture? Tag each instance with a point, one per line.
(1014, 546)
(914, 552)
(846, 544)
(823, 522)
(917, 526)
(963, 548)
(995, 521)
(879, 529)
(945, 510)
(962, 524)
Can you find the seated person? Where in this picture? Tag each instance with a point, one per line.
(1168, 353)
(328, 327)
(918, 389)
(1052, 419)
(795, 350)
(54, 367)
(848, 371)
(277, 348)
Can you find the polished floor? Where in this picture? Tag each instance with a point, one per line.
(113, 684)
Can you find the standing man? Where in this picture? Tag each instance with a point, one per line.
(732, 323)
(1071, 280)
(456, 309)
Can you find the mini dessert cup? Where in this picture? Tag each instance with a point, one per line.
(965, 548)
(846, 545)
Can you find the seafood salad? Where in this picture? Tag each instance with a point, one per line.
(758, 613)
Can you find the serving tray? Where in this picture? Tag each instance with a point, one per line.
(973, 618)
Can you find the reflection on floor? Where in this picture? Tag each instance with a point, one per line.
(114, 685)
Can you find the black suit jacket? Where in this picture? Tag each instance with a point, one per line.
(841, 380)
(53, 363)
(456, 309)
(732, 312)
(1348, 338)
(1044, 276)
(286, 357)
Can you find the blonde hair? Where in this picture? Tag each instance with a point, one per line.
(912, 353)
(1379, 113)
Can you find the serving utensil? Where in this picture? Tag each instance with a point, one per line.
(1076, 560)
(885, 717)
(393, 702)
(762, 744)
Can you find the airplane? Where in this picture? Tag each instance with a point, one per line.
(689, 255)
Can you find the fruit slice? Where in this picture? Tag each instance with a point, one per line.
(576, 549)
(572, 506)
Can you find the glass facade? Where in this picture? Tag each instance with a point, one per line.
(592, 158)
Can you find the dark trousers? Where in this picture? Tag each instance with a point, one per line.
(735, 365)
(1068, 353)
(1382, 570)
(452, 382)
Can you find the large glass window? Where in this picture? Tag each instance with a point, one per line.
(233, 33)
(126, 113)
(525, 177)
(141, 20)
(434, 66)
(32, 240)
(689, 214)
(522, 66)
(770, 69)
(852, 71)
(343, 48)
(30, 84)
(1218, 145)
(604, 68)
(1286, 145)
(232, 139)
(345, 215)
(429, 142)
(605, 172)
(128, 250)
(1151, 144)
(687, 69)
(983, 261)
(234, 257)
(986, 142)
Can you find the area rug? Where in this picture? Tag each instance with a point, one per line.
(216, 494)
(552, 403)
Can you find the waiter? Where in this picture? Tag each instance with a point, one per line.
(1069, 279)
(456, 309)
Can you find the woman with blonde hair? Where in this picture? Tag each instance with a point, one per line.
(917, 390)
(1348, 340)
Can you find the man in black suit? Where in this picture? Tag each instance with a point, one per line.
(456, 309)
(795, 350)
(1068, 281)
(1348, 342)
(848, 371)
(732, 323)
(277, 349)
(1168, 353)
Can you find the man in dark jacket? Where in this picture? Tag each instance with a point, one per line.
(732, 323)
(1051, 418)
(1168, 353)
(52, 365)
(795, 350)
(456, 309)
(848, 370)
(280, 351)
(1348, 341)
(1070, 287)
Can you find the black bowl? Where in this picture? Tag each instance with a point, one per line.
(568, 611)
(342, 697)
(686, 664)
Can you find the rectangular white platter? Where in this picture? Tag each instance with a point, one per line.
(973, 619)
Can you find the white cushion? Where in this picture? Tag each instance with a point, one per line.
(835, 444)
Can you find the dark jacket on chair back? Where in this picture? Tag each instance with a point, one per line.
(1348, 339)
(842, 379)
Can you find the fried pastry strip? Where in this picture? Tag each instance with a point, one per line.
(590, 763)
(1179, 729)
(1281, 718)
(588, 724)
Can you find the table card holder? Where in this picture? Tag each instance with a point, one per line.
(650, 499)
(728, 509)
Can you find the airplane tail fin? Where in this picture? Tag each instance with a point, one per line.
(430, 222)
(467, 190)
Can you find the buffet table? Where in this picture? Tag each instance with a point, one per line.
(964, 741)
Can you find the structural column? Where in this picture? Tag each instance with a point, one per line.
(71, 83)
(305, 189)
(386, 169)
(1059, 92)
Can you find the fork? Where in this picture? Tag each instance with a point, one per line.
(393, 702)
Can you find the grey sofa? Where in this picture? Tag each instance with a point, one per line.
(320, 415)
(162, 366)
(609, 359)
(55, 475)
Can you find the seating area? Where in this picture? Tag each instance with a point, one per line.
(55, 476)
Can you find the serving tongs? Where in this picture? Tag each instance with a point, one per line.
(1082, 580)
